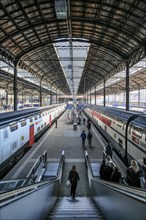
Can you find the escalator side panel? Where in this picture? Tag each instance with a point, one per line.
(116, 205)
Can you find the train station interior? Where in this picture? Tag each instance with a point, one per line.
(64, 50)
(68, 68)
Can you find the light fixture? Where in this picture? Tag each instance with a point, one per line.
(61, 10)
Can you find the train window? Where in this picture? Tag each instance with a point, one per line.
(120, 142)
(23, 122)
(105, 128)
(114, 135)
(14, 145)
(38, 129)
(13, 126)
(36, 118)
(130, 128)
(137, 131)
(31, 119)
(40, 116)
(41, 126)
(45, 124)
(119, 123)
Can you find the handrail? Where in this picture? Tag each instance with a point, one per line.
(89, 168)
(139, 194)
(60, 168)
(25, 189)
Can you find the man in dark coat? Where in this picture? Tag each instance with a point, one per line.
(73, 178)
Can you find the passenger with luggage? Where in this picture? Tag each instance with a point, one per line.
(73, 178)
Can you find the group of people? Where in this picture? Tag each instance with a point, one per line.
(108, 171)
(88, 136)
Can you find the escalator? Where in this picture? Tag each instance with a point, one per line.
(43, 200)
(81, 208)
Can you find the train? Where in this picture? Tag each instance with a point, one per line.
(19, 130)
(126, 130)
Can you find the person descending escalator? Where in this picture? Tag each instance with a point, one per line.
(73, 178)
(133, 174)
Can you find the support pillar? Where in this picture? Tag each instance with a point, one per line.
(56, 96)
(41, 93)
(127, 85)
(7, 97)
(90, 97)
(104, 93)
(95, 95)
(51, 96)
(138, 94)
(15, 86)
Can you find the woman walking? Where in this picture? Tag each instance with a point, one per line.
(73, 178)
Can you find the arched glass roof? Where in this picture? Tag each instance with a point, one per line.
(47, 38)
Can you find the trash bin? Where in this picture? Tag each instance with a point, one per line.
(74, 126)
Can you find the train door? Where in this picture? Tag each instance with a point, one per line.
(31, 134)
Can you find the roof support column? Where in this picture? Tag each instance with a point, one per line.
(87, 97)
(41, 93)
(84, 90)
(95, 94)
(104, 93)
(90, 97)
(51, 96)
(138, 94)
(15, 85)
(6, 97)
(127, 85)
(56, 96)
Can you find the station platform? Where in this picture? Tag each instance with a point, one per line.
(54, 141)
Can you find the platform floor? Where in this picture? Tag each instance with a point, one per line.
(56, 140)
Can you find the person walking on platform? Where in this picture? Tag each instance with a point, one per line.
(108, 150)
(83, 137)
(89, 137)
(56, 121)
(73, 178)
(84, 121)
(89, 125)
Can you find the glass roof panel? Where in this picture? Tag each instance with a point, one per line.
(73, 72)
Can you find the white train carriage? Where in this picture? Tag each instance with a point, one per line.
(18, 131)
(127, 129)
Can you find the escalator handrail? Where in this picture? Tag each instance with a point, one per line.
(25, 189)
(136, 193)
